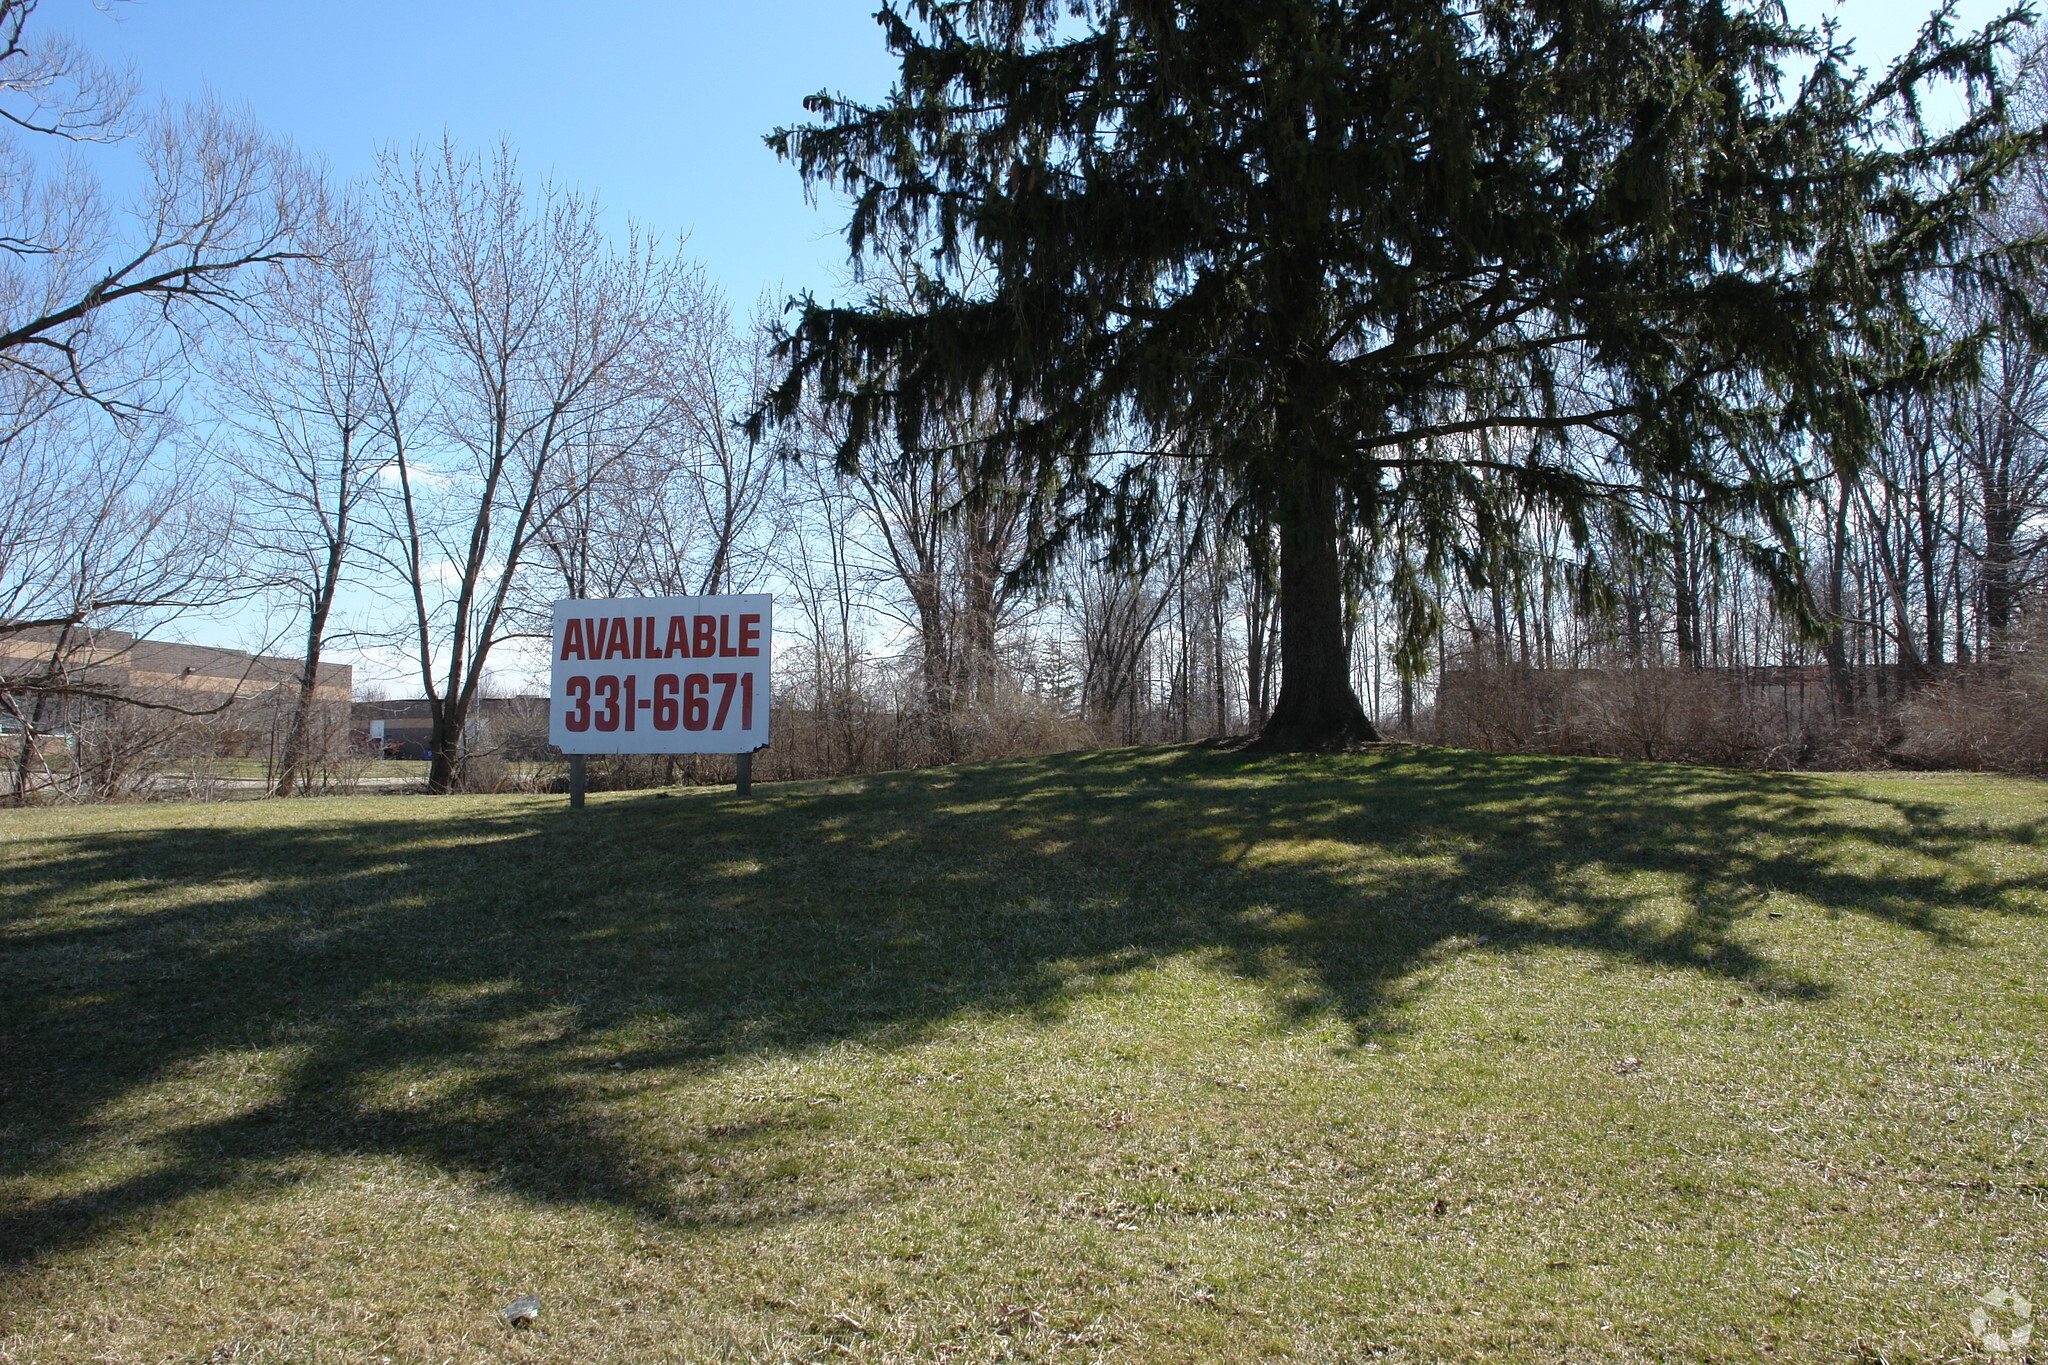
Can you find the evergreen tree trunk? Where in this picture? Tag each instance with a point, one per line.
(1317, 708)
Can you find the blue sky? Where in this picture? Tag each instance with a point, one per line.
(657, 107)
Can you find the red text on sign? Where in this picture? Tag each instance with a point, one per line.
(610, 703)
(598, 639)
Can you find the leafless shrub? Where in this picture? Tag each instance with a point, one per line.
(329, 760)
(1484, 705)
(1676, 714)
(1990, 717)
(1721, 717)
(111, 751)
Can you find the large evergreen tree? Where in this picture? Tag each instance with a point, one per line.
(1384, 266)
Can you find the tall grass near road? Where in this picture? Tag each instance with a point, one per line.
(1149, 1055)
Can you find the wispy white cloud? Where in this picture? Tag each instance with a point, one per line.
(424, 477)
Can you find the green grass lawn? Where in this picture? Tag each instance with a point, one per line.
(1149, 1056)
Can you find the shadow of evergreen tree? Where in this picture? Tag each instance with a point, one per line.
(500, 940)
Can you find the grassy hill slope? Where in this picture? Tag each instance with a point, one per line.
(1148, 1055)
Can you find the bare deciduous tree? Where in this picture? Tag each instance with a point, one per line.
(97, 535)
(683, 509)
(303, 433)
(537, 337)
(87, 293)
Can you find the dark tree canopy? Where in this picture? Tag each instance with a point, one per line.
(1406, 269)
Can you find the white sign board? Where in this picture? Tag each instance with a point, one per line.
(660, 675)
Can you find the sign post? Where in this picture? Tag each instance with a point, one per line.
(660, 675)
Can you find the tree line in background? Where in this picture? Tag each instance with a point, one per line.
(406, 415)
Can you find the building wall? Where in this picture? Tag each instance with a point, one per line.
(252, 694)
(409, 723)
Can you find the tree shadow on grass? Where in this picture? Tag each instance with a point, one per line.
(514, 956)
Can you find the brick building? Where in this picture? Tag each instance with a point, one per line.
(251, 696)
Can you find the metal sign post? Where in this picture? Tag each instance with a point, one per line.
(661, 675)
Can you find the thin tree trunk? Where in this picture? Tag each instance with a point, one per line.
(297, 742)
(1258, 636)
(298, 735)
(2001, 558)
(32, 725)
(1216, 677)
(1835, 650)
(1927, 517)
(1685, 596)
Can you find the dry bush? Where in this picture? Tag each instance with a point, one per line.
(108, 751)
(1678, 715)
(639, 772)
(838, 732)
(861, 731)
(1991, 717)
(1506, 708)
(483, 773)
(1016, 723)
(334, 763)
(1655, 713)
